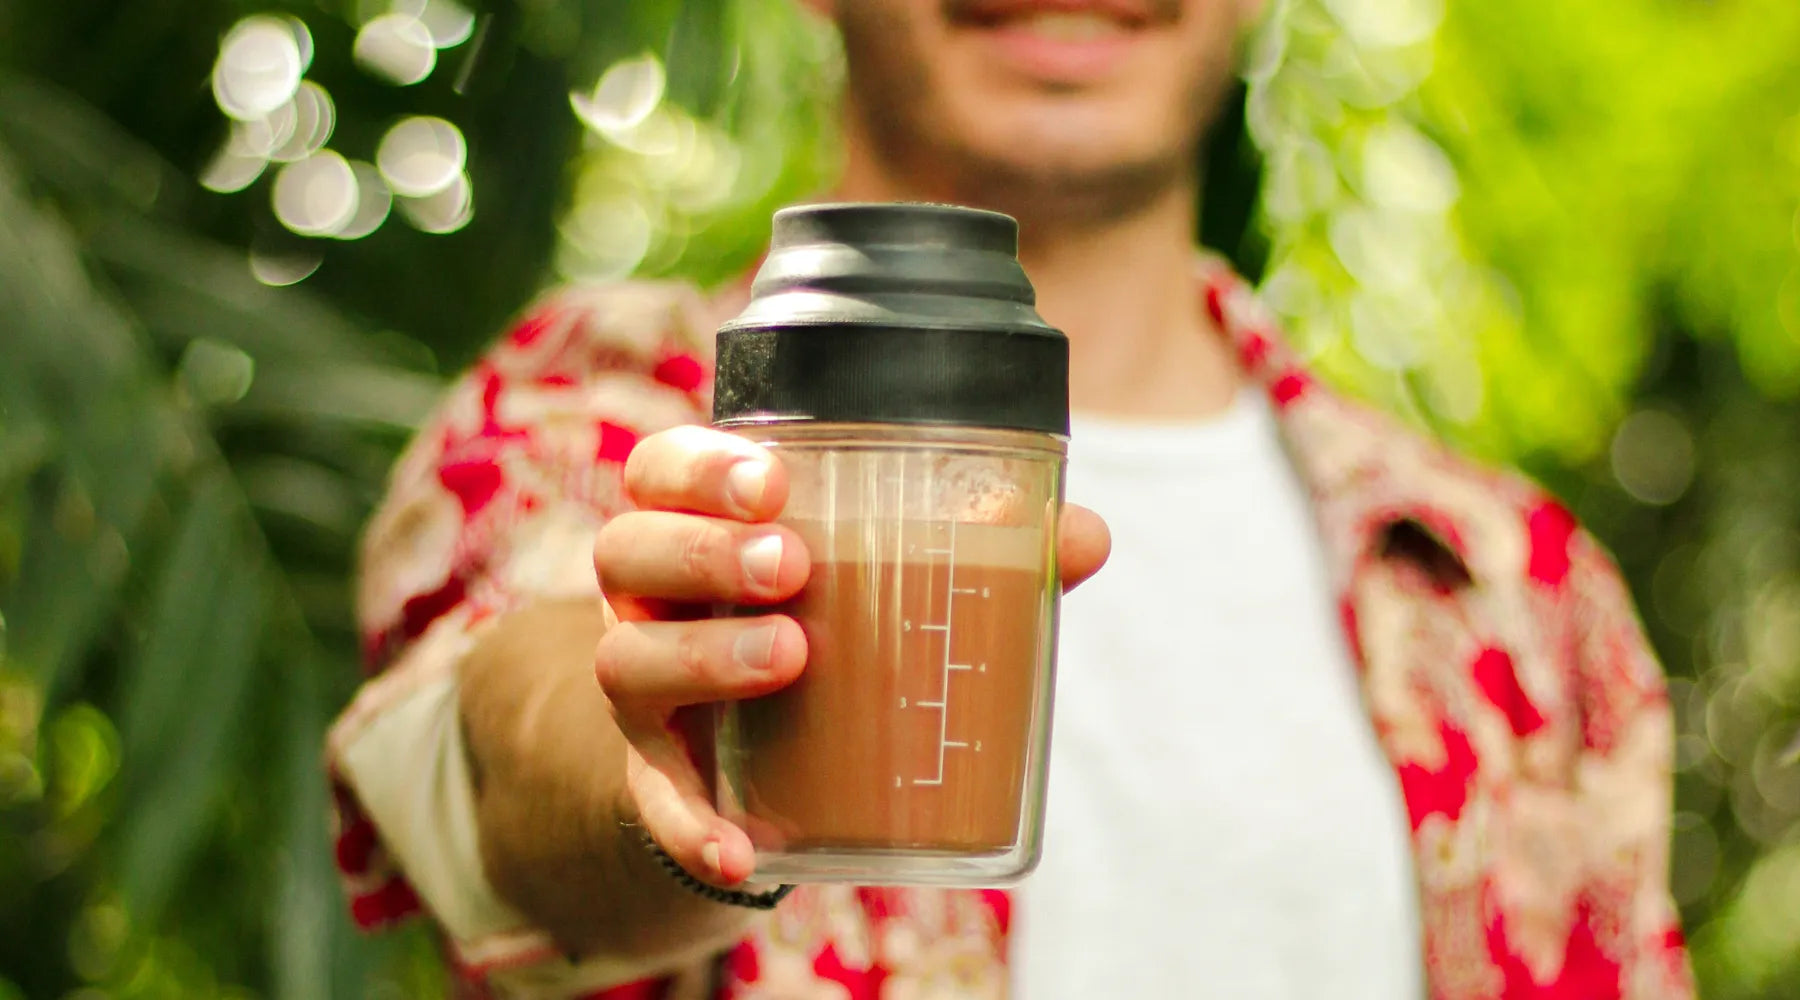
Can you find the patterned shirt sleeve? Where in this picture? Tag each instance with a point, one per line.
(1623, 772)
(494, 505)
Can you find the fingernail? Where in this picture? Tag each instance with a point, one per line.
(709, 855)
(745, 483)
(754, 648)
(762, 561)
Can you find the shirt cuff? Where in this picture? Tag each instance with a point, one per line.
(398, 753)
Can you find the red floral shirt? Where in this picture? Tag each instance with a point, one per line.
(1503, 668)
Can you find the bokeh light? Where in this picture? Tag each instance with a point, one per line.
(314, 116)
(623, 98)
(444, 211)
(235, 166)
(280, 268)
(258, 68)
(449, 23)
(421, 156)
(397, 47)
(303, 40)
(606, 237)
(373, 202)
(316, 196)
(1653, 456)
(214, 373)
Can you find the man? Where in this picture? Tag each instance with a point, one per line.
(1345, 716)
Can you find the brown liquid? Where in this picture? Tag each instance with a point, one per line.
(902, 733)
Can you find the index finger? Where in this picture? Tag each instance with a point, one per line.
(703, 470)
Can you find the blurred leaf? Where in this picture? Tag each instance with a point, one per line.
(701, 53)
(80, 152)
(185, 693)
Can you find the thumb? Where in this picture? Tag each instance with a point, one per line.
(1082, 545)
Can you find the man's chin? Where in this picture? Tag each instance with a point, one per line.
(1085, 182)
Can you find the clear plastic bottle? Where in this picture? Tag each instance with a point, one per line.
(892, 360)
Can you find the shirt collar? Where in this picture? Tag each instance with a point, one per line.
(1370, 479)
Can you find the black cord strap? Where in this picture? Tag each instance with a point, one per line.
(730, 897)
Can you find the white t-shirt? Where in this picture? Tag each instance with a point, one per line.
(1221, 821)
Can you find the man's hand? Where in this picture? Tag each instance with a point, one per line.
(561, 768)
(702, 536)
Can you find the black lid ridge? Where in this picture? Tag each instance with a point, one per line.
(893, 313)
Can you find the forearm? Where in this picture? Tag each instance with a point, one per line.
(554, 816)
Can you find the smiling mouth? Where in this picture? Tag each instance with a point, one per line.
(1062, 25)
(1063, 20)
(1061, 43)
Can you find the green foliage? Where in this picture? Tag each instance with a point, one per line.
(1561, 232)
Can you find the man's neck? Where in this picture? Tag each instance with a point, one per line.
(1140, 343)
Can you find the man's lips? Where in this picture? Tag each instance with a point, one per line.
(1062, 41)
(1124, 13)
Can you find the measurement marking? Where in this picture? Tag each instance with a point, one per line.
(959, 666)
(929, 704)
(967, 590)
(944, 683)
(936, 628)
(896, 781)
(955, 743)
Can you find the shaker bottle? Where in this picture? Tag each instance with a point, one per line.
(892, 358)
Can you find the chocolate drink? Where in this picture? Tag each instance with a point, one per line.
(910, 727)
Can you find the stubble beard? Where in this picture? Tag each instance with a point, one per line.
(892, 102)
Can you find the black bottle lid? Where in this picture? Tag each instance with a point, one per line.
(893, 313)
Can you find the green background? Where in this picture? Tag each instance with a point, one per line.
(1563, 233)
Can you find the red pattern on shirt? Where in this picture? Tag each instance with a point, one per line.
(1495, 676)
(1462, 681)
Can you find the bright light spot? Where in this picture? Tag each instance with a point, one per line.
(1267, 48)
(1380, 250)
(233, 168)
(421, 156)
(1303, 180)
(265, 135)
(1387, 23)
(85, 755)
(397, 47)
(608, 237)
(1454, 387)
(1383, 331)
(1653, 457)
(626, 94)
(214, 372)
(444, 212)
(1777, 773)
(666, 133)
(258, 69)
(314, 117)
(1402, 169)
(448, 22)
(373, 200)
(302, 41)
(316, 196)
(707, 182)
(281, 269)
